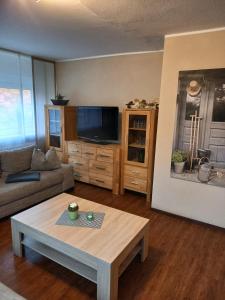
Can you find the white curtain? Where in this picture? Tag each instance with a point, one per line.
(44, 90)
(17, 118)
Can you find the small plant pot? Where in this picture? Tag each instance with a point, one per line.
(179, 167)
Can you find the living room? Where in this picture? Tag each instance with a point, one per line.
(153, 189)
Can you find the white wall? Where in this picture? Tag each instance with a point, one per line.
(111, 80)
(193, 200)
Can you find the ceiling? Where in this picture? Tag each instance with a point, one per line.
(66, 29)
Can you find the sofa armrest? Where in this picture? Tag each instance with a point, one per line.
(68, 181)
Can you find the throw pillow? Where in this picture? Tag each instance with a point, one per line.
(15, 161)
(45, 162)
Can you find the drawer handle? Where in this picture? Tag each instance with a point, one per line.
(101, 181)
(73, 151)
(134, 182)
(103, 155)
(100, 168)
(88, 153)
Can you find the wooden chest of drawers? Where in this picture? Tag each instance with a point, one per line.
(95, 164)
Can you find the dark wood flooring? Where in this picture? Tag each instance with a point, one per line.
(186, 260)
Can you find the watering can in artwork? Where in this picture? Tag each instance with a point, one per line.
(206, 171)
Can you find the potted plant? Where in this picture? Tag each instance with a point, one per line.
(179, 158)
(59, 100)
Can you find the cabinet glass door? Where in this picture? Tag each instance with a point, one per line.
(136, 139)
(55, 133)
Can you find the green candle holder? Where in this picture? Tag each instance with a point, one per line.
(73, 211)
(73, 215)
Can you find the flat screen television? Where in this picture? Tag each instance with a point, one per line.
(98, 123)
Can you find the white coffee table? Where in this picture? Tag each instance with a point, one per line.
(100, 255)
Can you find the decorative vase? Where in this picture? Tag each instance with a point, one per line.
(179, 167)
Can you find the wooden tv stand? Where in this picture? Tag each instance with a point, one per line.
(94, 163)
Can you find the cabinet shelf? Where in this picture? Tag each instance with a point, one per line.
(55, 134)
(135, 128)
(135, 145)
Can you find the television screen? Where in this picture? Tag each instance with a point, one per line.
(98, 123)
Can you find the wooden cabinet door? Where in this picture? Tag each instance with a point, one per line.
(136, 137)
(54, 124)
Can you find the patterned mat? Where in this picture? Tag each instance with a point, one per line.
(82, 221)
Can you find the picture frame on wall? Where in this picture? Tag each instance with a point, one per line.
(198, 152)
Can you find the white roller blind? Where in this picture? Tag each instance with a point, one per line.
(9, 70)
(26, 72)
(44, 87)
(17, 120)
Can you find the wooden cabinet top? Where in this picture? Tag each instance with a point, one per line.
(96, 145)
(50, 106)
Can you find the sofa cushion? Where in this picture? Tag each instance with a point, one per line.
(16, 191)
(16, 160)
(42, 162)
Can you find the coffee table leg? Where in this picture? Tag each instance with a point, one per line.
(144, 244)
(16, 239)
(107, 282)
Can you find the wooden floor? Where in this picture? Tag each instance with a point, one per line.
(186, 261)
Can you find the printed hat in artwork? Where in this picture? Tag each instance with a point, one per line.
(194, 88)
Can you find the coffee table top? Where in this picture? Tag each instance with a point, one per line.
(118, 229)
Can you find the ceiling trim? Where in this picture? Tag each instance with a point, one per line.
(194, 32)
(109, 55)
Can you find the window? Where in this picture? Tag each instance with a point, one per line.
(219, 102)
(17, 119)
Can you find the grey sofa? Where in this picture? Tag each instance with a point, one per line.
(17, 196)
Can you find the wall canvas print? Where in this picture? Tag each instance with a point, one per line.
(198, 152)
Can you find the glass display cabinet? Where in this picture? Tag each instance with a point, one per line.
(138, 148)
(60, 127)
(136, 139)
(55, 128)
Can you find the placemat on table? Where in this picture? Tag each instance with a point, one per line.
(82, 221)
